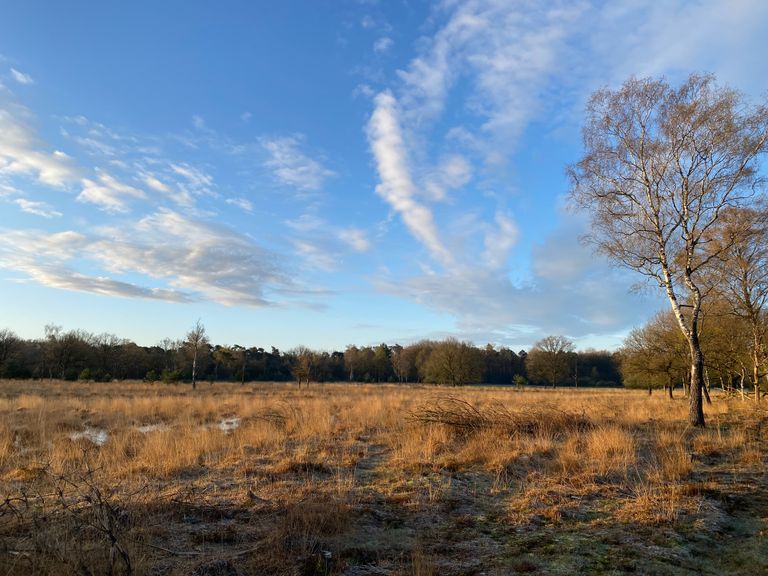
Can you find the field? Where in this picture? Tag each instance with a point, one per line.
(376, 480)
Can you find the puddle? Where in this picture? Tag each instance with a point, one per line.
(95, 435)
(147, 428)
(229, 424)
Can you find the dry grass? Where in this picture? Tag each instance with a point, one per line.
(330, 480)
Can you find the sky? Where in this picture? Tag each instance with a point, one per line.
(326, 172)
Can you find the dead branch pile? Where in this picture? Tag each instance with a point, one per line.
(463, 417)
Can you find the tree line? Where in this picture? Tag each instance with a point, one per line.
(656, 355)
(79, 355)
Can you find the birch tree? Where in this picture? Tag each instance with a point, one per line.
(196, 341)
(661, 165)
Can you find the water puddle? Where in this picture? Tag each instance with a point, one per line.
(147, 428)
(95, 435)
(229, 424)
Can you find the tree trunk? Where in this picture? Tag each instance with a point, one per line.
(741, 383)
(756, 368)
(194, 370)
(696, 406)
(706, 394)
(706, 387)
(669, 385)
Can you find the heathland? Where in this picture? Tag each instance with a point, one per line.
(99, 478)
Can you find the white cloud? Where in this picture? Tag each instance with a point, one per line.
(177, 259)
(197, 178)
(499, 240)
(382, 45)
(643, 38)
(316, 256)
(22, 151)
(307, 222)
(291, 166)
(452, 172)
(37, 208)
(17, 246)
(508, 51)
(7, 189)
(355, 239)
(490, 308)
(501, 66)
(242, 203)
(363, 90)
(66, 279)
(108, 193)
(21, 77)
(188, 183)
(154, 183)
(396, 188)
(192, 256)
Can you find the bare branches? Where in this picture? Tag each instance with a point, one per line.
(661, 166)
(463, 417)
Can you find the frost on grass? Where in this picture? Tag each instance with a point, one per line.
(229, 424)
(96, 436)
(147, 428)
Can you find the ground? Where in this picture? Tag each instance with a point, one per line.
(376, 480)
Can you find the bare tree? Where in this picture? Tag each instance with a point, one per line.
(195, 342)
(550, 359)
(661, 165)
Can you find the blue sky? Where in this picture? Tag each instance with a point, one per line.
(325, 172)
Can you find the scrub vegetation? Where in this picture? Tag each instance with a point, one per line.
(138, 478)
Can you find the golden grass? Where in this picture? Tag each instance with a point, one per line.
(319, 472)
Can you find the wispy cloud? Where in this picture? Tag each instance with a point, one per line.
(178, 258)
(194, 256)
(291, 166)
(242, 203)
(315, 256)
(499, 240)
(198, 179)
(108, 193)
(396, 187)
(37, 208)
(22, 150)
(643, 38)
(505, 65)
(154, 183)
(490, 308)
(452, 172)
(383, 45)
(66, 279)
(355, 238)
(507, 51)
(21, 77)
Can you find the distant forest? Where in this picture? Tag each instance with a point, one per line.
(79, 355)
